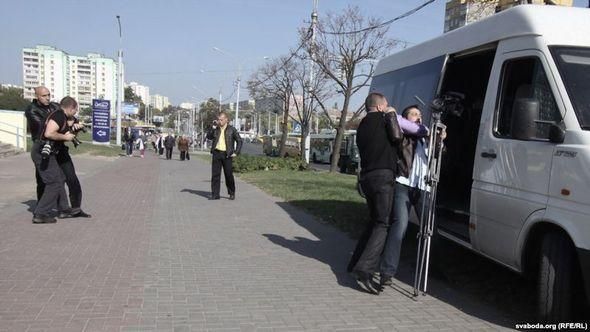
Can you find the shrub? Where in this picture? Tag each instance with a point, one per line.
(247, 163)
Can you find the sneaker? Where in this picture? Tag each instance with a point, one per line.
(385, 280)
(40, 219)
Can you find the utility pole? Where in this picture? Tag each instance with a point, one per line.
(314, 22)
(121, 83)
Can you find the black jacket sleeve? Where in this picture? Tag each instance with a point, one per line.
(394, 132)
(239, 142)
(211, 133)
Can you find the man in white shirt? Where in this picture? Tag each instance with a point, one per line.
(409, 188)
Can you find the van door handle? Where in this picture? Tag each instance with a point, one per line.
(491, 155)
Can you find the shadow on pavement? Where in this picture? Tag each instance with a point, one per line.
(31, 204)
(205, 194)
(457, 276)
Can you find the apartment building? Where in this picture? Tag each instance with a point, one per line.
(462, 12)
(141, 90)
(81, 77)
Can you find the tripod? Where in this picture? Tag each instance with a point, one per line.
(429, 202)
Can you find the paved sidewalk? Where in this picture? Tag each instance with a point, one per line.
(159, 256)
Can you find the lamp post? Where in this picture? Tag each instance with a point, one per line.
(237, 119)
(121, 92)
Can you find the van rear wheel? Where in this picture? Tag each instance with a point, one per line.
(556, 270)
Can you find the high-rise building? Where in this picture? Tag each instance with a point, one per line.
(81, 77)
(141, 90)
(159, 102)
(462, 12)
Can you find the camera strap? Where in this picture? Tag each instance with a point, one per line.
(49, 116)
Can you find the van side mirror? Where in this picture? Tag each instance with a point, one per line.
(556, 134)
(524, 113)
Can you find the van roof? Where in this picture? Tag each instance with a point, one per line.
(557, 24)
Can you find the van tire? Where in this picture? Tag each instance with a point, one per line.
(556, 268)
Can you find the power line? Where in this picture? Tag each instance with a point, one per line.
(382, 24)
(291, 56)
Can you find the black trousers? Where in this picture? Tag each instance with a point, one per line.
(378, 186)
(53, 195)
(183, 155)
(64, 161)
(219, 161)
(169, 153)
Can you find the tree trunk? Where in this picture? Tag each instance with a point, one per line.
(284, 135)
(339, 134)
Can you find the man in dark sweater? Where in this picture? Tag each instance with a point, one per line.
(378, 137)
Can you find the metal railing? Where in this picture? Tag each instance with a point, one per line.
(19, 133)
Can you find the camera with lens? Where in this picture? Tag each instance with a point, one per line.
(76, 141)
(449, 103)
(46, 149)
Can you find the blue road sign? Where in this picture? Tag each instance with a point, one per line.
(101, 121)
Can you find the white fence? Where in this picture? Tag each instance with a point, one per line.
(13, 128)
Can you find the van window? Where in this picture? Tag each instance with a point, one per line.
(574, 67)
(401, 86)
(525, 78)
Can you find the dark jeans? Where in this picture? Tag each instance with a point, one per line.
(64, 161)
(54, 193)
(67, 167)
(219, 161)
(405, 197)
(378, 188)
(129, 146)
(169, 153)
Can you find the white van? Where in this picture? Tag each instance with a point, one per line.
(515, 177)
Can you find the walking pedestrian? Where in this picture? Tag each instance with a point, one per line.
(183, 144)
(169, 145)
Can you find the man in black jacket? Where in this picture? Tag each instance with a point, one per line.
(36, 114)
(224, 137)
(378, 137)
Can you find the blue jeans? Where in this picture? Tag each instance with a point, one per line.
(404, 198)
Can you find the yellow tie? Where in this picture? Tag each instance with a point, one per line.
(221, 143)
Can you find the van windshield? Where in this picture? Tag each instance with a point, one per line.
(574, 67)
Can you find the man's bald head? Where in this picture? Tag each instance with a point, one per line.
(42, 94)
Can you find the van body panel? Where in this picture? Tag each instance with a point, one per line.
(558, 25)
(510, 187)
(518, 180)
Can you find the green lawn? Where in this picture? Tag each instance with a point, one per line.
(331, 197)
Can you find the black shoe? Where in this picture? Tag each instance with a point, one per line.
(232, 196)
(365, 280)
(214, 198)
(81, 214)
(386, 280)
(43, 220)
(65, 214)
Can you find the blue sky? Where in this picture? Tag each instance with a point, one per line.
(167, 43)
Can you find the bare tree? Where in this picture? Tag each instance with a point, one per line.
(347, 42)
(275, 80)
(306, 94)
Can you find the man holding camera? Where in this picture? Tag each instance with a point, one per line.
(224, 137)
(49, 144)
(36, 114)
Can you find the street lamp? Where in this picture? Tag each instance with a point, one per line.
(237, 123)
(121, 92)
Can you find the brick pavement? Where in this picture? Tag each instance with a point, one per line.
(159, 256)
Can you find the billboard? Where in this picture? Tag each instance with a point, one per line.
(130, 108)
(158, 119)
(101, 119)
